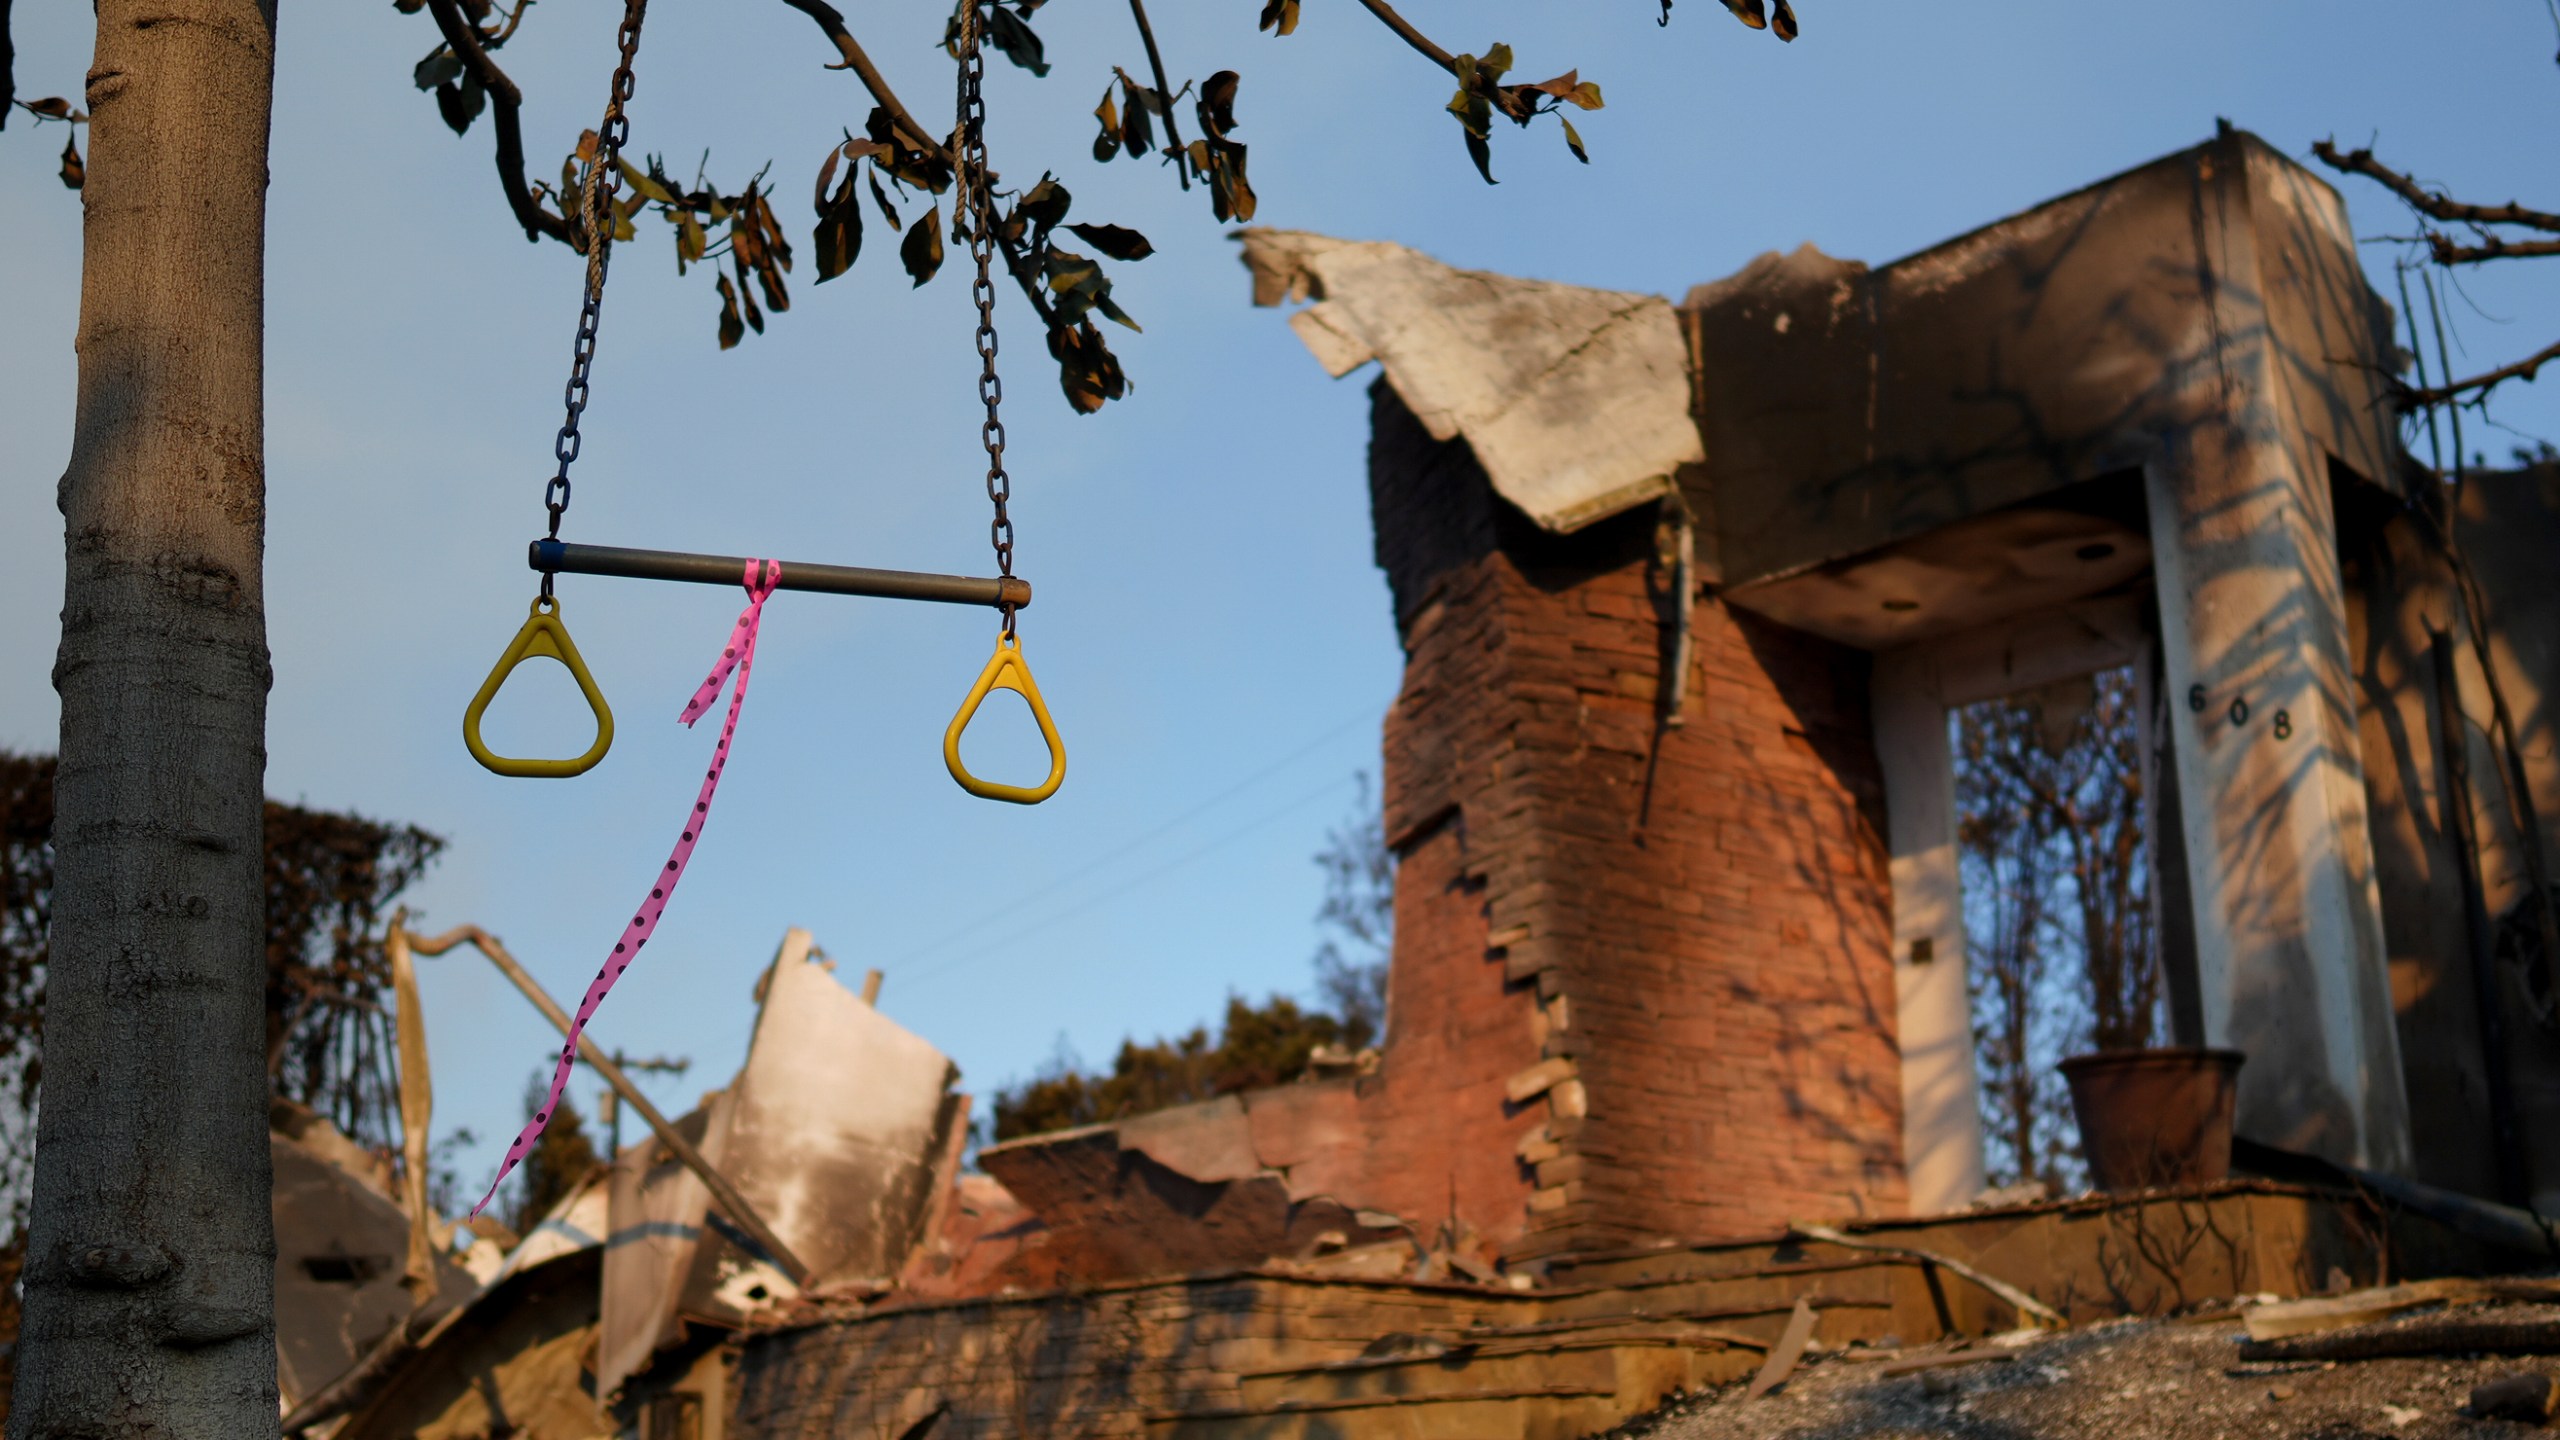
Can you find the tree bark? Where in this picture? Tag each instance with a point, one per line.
(150, 1307)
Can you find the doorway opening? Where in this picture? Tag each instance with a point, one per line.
(2055, 857)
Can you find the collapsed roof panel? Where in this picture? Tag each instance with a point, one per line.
(576, 1223)
(837, 1121)
(838, 1132)
(1114, 1206)
(1576, 401)
(656, 1217)
(340, 1249)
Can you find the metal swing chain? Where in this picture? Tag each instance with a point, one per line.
(975, 193)
(596, 214)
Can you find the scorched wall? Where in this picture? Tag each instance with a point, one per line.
(1684, 964)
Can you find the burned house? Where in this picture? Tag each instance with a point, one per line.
(818, 1169)
(1686, 592)
(1679, 1040)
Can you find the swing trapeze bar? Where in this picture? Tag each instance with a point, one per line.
(561, 557)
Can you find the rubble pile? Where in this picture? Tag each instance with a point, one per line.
(2177, 1379)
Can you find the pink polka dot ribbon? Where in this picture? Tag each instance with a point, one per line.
(740, 654)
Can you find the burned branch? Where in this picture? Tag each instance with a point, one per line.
(1062, 287)
(2485, 245)
(1155, 66)
(2432, 204)
(1518, 102)
(2490, 247)
(831, 20)
(1424, 44)
(2475, 389)
(506, 101)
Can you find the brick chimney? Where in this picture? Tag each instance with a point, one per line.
(1642, 983)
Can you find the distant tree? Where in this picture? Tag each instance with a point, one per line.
(26, 902)
(1359, 911)
(2057, 870)
(445, 1179)
(561, 1160)
(2008, 966)
(1259, 1045)
(330, 880)
(26, 908)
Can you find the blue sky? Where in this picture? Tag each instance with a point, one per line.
(1210, 632)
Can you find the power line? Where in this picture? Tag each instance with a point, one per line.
(1158, 873)
(1072, 876)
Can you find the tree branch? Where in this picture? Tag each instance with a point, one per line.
(2482, 383)
(1404, 28)
(831, 20)
(2491, 247)
(1019, 266)
(505, 100)
(1500, 95)
(9, 66)
(1155, 63)
(2446, 251)
(2427, 202)
(507, 31)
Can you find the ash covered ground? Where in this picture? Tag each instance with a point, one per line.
(2162, 1380)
